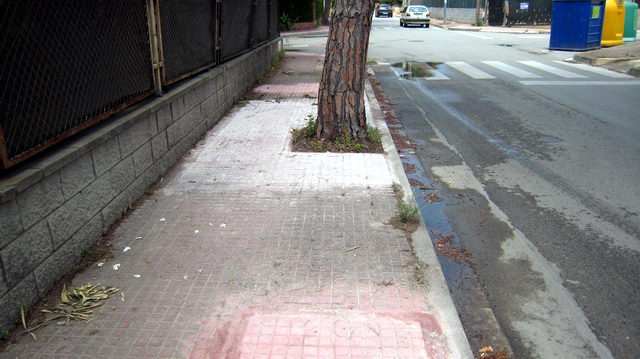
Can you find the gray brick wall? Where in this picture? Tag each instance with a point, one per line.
(454, 14)
(61, 204)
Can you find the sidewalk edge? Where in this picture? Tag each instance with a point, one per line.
(488, 30)
(315, 33)
(598, 61)
(438, 295)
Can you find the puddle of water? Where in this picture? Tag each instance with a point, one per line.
(459, 275)
(414, 69)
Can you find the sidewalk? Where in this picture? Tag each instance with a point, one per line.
(623, 58)
(318, 31)
(247, 250)
(451, 25)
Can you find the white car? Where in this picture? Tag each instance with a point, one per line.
(414, 14)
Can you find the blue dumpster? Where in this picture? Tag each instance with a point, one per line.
(576, 25)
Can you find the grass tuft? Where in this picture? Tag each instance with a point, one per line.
(373, 135)
(408, 212)
(304, 139)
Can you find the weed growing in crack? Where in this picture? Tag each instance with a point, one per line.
(408, 212)
(397, 190)
(308, 131)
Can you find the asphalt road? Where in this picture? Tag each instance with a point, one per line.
(538, 165)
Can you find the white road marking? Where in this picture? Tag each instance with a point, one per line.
(475, 35)
(597, 70)
(469, 70)
(306, 45)
(580, 83)
(437, 75)
(512, 70)
(553, 70)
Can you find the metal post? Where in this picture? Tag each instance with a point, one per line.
(253, 39)
(159, 37)
(444, 16)
(156, 62)
(269, 20)
(5, 162)
(218, 34)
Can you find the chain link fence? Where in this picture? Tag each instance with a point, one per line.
(518, 12)
(66, 66)
(455, 4)
(188, 37)
(236, 37)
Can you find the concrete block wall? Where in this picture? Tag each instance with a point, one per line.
(467, 16)
(53, 207)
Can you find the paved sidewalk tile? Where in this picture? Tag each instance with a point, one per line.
(249, 250)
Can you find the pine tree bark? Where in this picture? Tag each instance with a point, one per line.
(341, 110)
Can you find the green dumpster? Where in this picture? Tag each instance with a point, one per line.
(630, 21)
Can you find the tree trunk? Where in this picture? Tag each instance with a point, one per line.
(341, 110)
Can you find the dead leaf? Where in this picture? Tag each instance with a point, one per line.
(487, 349)
(24, 321)
(352, 249)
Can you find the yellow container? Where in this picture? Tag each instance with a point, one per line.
(613, 26)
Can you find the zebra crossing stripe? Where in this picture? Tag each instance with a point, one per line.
(437, 75)
(469, 70)
(597, 70)
(553, 70)
(512, 70)
(580, 83)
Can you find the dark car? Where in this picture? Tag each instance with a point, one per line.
(384, 10)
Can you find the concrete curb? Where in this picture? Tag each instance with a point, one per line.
(598, 61)
(438, 293)
(315, 33)
(490, 30)
(612, 63)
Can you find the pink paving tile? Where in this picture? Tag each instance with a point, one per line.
(335, 340)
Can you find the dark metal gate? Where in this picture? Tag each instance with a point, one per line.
(529, 12)
(495, 16)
